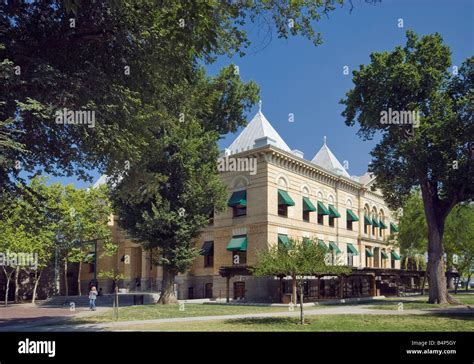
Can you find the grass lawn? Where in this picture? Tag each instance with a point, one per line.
(324, 323)
(419, 303)
(154, 312)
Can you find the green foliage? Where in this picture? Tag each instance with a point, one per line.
(417, 78)
(301, 258)
(82, 66)
(26, 225)
(413, 231)
(459, 237)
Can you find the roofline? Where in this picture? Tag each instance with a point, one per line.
(305, 162)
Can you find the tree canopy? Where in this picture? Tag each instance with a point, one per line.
(432, 149)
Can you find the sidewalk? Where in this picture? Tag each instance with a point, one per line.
(340, 310)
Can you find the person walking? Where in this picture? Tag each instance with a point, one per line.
(92, 297)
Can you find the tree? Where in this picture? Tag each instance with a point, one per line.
(27, 228)
(115, 277)
(432, 151)
(114, 58)
(166, 198)
(298, 260)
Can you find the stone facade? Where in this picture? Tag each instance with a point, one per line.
(277, 168)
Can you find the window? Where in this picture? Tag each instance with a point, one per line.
(350, 218)
(331, 221)
(208, 290)
(307, 208)
(284, 200)
(349, 225)
(350, 259)
(208, 261)
(320, 219)
(239, 257)
(207, 251)
(239, 211)
(305, 215)
(365, 229)
(373, 230)
(238, 202)
(393, 263)
(283, 210)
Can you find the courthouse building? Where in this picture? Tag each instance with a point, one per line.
(285, 196)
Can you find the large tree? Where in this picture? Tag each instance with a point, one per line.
(115, 58)
(433, 152)
(169, 195)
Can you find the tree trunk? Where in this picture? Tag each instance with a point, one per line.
(167, 294)
(79, 279)
(437, 280)
(17, 284)
(295, 293)
(7, 288)
(468, 281)
(37, 277)
(435, 218)
(65, 278)
(301, 303)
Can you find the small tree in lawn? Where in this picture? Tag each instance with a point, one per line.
(298, 260)
(115, 277)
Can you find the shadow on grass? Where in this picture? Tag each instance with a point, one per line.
(263, 321)
(464, 316)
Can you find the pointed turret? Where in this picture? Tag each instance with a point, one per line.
(257, 133)
(327, 160)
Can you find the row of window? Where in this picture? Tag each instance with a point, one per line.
(238, 248)
(238, 202)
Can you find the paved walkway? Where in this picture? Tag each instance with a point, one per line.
(30, 315)
(339, 310)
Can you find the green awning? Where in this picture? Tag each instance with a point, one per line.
(207, 248)
(238, 243)
(384, 255)
(322, 210)
(322, 244)
(284, 198)
(238, 198)
(333, 212)
(375, 222)
(351, 249)
(283, 240)
(394, 255)
(382, 224)
(351, 216)
(306, 240)
(393, 228)
(334, 248)
(368, 252)
(308, 205)
(367, 220)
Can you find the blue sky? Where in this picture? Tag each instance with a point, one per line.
(297, 77)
